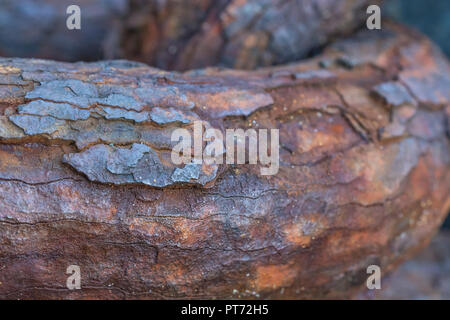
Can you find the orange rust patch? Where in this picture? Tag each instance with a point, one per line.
(8, 159)
(112, 211)
(311, 140)
(306, 230)
(208, 169)
(274, 276)
(295, 234)
(68, 193)
(8, 69)
(188, 232)
(146, 227)
(344, 244)
(419, 177)
(176, 274)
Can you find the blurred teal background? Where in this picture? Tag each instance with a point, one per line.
(431, 17)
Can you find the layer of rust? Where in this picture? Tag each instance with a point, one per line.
(86, 176)
(178, 34)
(241, 34)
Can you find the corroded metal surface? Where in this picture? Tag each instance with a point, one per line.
(235, 33)
(86, 176)
(178, 34)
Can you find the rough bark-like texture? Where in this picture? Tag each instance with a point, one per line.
(86, 177)
(178, 34)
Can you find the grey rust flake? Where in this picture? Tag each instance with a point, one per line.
(311, 75)
(136, 164)
(432, 90)
(171, 115)
(82, 94)
(35, 124)
(394, 93)
(62, 111)
(91, 131)
(121, 101)
(122, 160)
(71, 91)
(111, 113)
(107, 164)
(192, 172)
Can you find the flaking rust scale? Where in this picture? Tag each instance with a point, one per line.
(85, 172)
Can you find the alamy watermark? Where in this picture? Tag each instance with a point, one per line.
(73, 22)
(374, 20)
(211, 147)
(73, 282)
(374, 280)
